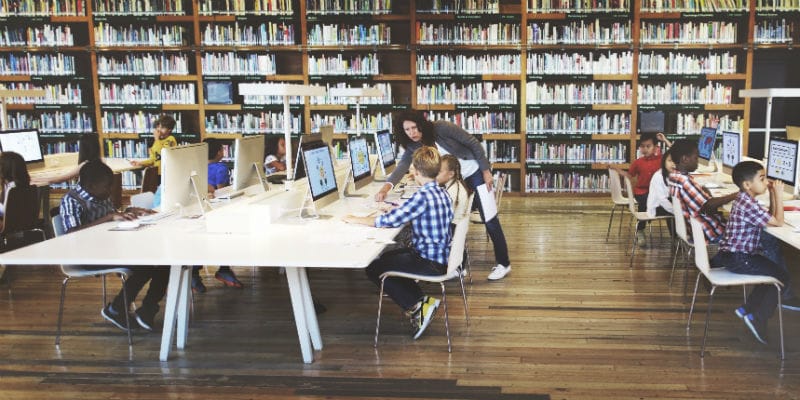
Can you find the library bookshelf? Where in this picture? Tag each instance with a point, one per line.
(555, 89)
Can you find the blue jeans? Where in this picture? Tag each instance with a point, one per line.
(405, 292)
(493, 227)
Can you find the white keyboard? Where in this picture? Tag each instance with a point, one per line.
(151, 218)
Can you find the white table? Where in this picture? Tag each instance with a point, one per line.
(182, 242)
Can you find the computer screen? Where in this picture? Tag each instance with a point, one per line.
(385, 148)
(705, 146)
(359, 157)
(651, 121)
(218, 92)
(320, 173)
(248, 156)
(184, 176)
(25, 143)
(731, 148)
(782, 160)
(299, 168)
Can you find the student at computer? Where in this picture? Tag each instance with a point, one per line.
(162, 135)
(219, 176)
(696, 201)
(13, 173)
(412, 130)
(275, 159)
(88, 149)
(741, 248)
(430, 212)
(450, 179)
(88, 204)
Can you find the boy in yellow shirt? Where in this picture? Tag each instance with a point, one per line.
(163, 138)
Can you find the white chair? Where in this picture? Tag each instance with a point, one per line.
(453, 262)
(638, 216)
(723, 277)
(80, 271)
(620, 201)
(682, 239)
(143, 200)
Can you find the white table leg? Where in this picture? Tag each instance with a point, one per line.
(173, 288)
(183, 307)
(311, 314)
(296, 294)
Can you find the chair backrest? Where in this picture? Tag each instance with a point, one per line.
(615, 187)
(143, 200)
(631, 200)
(457, 244)
(58, 225)
(150, 179)
(700, 250)
(680, 221)
(22, 209)
(499, 184)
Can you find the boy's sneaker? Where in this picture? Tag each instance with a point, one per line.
(791, 304)
(499, 272)
(641, 241)
(116, 318)
(228, 278)
(740, 312)
(423, 317)
(197, 284)
(145, 320)
(758, 328)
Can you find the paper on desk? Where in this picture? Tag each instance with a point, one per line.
(487, 202)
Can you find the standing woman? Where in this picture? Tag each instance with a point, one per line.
(412, 130)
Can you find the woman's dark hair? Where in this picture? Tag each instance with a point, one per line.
(13, 169)
(664, 172)
(423, 125)
(271, 145)
(88, 147)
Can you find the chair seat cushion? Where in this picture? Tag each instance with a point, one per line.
(78, 271)
(426, 278)
(643, 216)
(723, 277)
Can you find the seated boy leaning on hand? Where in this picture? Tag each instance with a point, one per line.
(430, 212)
(88, 204)
(742, 250)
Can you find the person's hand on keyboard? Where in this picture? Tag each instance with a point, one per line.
(138, 211)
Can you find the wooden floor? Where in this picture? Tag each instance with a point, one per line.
(572, 321)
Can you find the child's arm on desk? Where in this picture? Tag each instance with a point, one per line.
(115, 216)
(711, 205)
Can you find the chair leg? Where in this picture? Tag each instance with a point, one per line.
(619, 228)
(446, 322)
(708, 317)
(780, 318)
(104, 290)
(61, 310)
(687, 264)
(691, 308)
(464, 295)
(610, 221)
(633, 242)
(378, 323)
(467, 264)
(125, 304)
(744, 294)
(678, 245)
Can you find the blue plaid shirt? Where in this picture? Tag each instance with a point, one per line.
(743, 232)
(78, 207)
(430, 212)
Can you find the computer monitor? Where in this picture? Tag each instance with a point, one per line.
(218, 92)
(320, 173)
(248, 156)
(386, 159)
(705, 146)
(184, 176)
(782, 160)
(651, 121)
(731, 148)
(361, 172)
(24, 142)
(299, 168)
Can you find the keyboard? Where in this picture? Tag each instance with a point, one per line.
(151, 218)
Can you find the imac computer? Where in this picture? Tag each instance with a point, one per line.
(25, 143)
(731, 150)
(361, 173)
(184, 177)
(782, 160)
(705, 145)
(299, 168)
(386, 159)
(248, 157)
(320, 173)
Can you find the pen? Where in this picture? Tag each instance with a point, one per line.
(391, 203)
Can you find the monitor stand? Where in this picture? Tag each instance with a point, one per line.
(349, 186)
(261, 178)
(379, 173)
(308, 210)
(202, 201)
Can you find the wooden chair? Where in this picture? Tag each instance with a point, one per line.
(21, 217)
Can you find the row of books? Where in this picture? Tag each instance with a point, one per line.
(501, 151)
(126, 148)
(147, 93)
(106, 34)
(235, 63)
(467, 93)
(579, 93)
(139, 122)
(60, 147)
(138, 64)
(266, 100)
(45, 35)
(685, 93)
(264, 122)
(472, 64)
(563, 153)
(52, 122)
(580, 63)
(138, 7)
(249, 34)
(586, 124)
(578, 6)
(688, 63)
(480, 122)
(468, 33)
(777, 5)
(37, 64)
(458, 6)
(689, 32)
(774, 31)
(339, 64)
(346, 123)
(580, 32)
(385, 88)
(565, 182)
(131, 179)
(41, 7)
(690, 124)
(244, 7)
(348, 6)
(54, 93)
(694, 5)
(349, 35)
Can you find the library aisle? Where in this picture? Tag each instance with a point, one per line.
(571, 321)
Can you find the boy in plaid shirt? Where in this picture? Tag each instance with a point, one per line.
(742, 249)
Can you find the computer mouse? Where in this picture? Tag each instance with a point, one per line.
(128, 224)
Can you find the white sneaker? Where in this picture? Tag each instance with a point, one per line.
(499, 272)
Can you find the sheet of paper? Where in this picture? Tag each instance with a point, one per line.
(487, 202)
